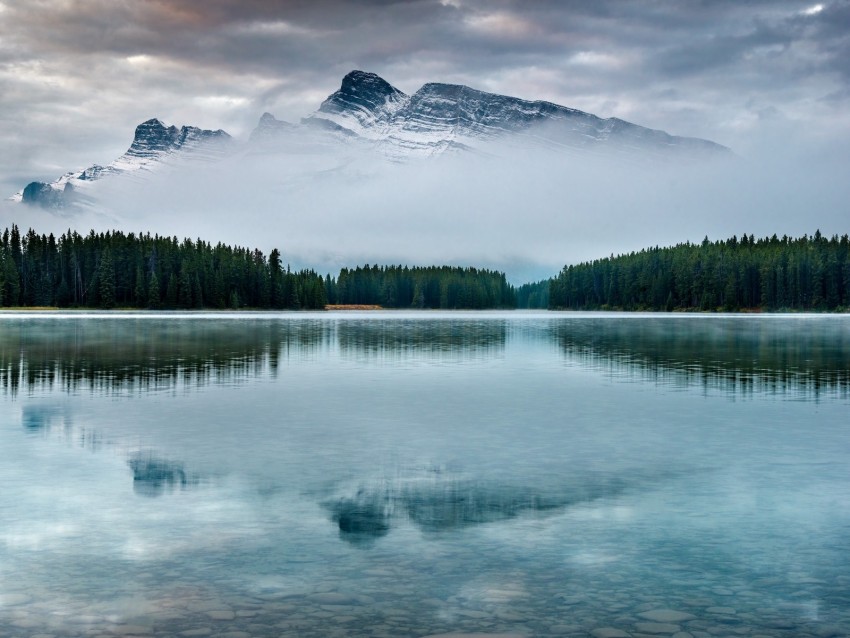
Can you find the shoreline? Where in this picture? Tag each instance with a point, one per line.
(748, 312)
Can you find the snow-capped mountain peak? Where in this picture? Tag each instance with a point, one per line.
(441, 117)
(365, 105)
(365, 93)
(153, 145)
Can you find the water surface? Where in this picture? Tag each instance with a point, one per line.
(411, 474)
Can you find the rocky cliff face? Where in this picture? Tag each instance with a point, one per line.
(153, 139)
(367, 98)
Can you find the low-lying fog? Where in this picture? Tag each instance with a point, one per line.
(525, 211)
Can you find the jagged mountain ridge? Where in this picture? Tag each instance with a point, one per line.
(368, 111)
(440, 117)
(154, 144)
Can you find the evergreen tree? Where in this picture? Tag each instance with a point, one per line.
(11, 282)
(106, 278)
(276, 280)
(153, 292)
(184, 297)
(140, 292)
(171, 292)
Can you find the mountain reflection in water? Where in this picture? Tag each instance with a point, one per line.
(439, 503)
(538, 474)
(155, 476)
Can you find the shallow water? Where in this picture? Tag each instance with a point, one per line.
(411, 474)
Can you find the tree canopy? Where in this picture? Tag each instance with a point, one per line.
(114, 269)
(807, 273)
(446, 287)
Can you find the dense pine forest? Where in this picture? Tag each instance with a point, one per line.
(534, 295)
(114, 269)
(808, 273)
(117, 270)
(432, 287)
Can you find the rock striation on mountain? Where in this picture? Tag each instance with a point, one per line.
(441, 117)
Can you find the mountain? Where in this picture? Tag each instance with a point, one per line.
(154, 145)
(370, 114)
(441, 117)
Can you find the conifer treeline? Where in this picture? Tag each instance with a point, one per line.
(114, 269)
(808, 273)
(444, 287)
(127, 270)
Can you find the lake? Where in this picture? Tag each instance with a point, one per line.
(422, 473)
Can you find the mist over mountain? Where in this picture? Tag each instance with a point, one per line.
(154, 146)
(445, 175)
(444, 117)
(368, 111)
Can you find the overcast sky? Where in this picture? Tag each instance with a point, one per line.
(77, 76)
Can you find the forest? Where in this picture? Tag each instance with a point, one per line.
(117, 270)
(113, 269)
(445, 287)
(805, 273)
(533, 295)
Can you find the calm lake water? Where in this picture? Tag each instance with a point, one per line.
(411, 474)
